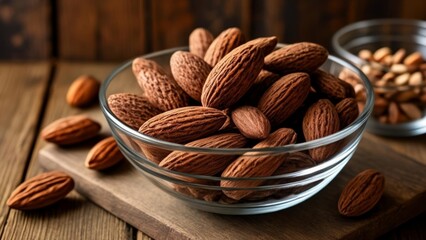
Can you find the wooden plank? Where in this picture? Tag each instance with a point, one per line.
(21, 98)
(172, 21)
(107, 30)
(25, 30)
(74, 218)
(77, 36)
(159, 215)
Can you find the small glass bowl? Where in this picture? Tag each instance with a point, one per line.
(395, 34)
(268, 194)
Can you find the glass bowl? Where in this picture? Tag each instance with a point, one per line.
(297, 181)
(395, 34)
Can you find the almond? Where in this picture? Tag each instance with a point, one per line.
(263, 81)
(331, 86)
(162, 91)
(140, 63)
(70, 130)
(199, 41)
(284, 97)
(251, 122)
(294, 162)
(181, 125)
(204, 163)
(321, 120)
(362, 193)
(411, 110)
(190, 72)
(347, 109)
(298, 57)
(132, 109)
(104, 154)
(83, 91)
(232, 77)
(223, 44)
(40, 191)
(266, 44)
(255, 165)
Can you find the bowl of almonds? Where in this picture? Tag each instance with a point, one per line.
(392, 53)
(233, 126)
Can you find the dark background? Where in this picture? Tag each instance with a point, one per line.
(105, 30)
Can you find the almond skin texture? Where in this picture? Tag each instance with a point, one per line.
(298, 57)
(132, 109)
(41, 191)
(83, 91)
(190, 72)
(199, 41)
(232, 77)
(103, 155)
(223, 44)
(251, 122)
(161, 90)
(284, 97)
(362, 193)
(263, 81)
(266, 44)
(140, 63)
(347, 109)
(331, 86)
(201, 163)
(70, 130)
(181, 125)
(321, 120)
(248, 165)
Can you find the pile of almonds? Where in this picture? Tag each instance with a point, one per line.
(49, 187)
(229, 93)
(399, 81)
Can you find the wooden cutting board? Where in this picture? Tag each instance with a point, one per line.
(129, 195)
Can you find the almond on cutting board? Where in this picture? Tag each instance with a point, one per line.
(103, 155)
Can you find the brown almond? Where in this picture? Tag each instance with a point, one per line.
(298, 57)
(83, 91)
(413, 59)
(331, 87)
(190, 72)
(161, 90)
(361, 193)
(204, 163)
(381, 53)
(41, 191)
(199, 41)
(347, 109)
(411, 110)
(140, 63)
(251, 122)
(365, 54)
(399, 56)
(266, 44)
(284, 97)
(132, 109)
(180, 125)
(70, 130)
(254, 165)
(321, 120)
(104, 154)
(223, 44)
(232, 77)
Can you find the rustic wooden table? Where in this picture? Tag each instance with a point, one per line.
(33, 95)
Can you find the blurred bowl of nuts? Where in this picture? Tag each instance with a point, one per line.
(392, 54)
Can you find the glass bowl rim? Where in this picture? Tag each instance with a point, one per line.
(362, 118)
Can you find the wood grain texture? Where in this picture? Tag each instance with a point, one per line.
(173, 21)
(21, 97)
(162, 217)
(75, 217)
(102, 30)
(25, 29)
